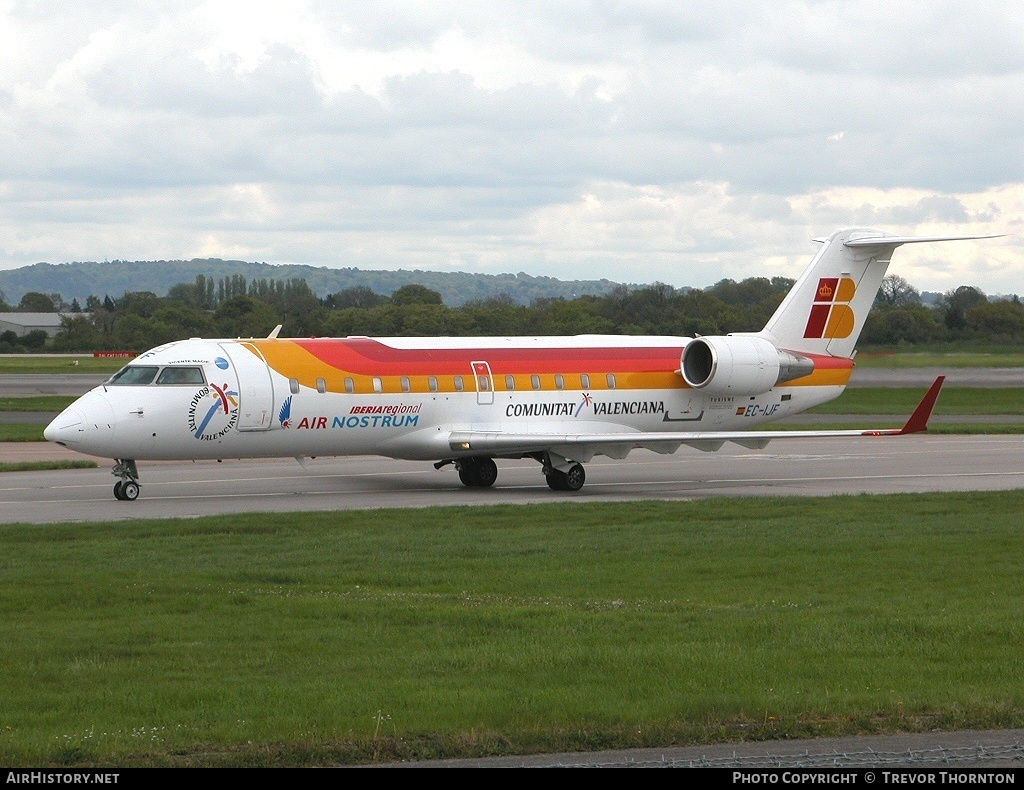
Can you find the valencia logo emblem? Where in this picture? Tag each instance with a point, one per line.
(212, 412)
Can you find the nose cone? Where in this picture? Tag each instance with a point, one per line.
(87, 425)
(65, 425)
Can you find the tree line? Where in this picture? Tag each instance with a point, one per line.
(234, 307)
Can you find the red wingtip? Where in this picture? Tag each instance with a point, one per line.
(919, 419)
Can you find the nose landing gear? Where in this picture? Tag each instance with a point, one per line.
(127, 488)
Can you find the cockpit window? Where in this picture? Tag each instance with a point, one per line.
(181, 376)
(133, 376)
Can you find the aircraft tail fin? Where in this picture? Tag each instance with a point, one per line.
(824, 313)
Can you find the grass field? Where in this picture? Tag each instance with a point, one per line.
(87, 363)
(21, 432)
(944, 428)
(329, 638)
(1000, 357)
(903, 401)
(36, 403)
(39, 466)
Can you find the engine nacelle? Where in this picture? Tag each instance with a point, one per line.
(739, 365)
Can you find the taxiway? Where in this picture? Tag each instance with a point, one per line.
(797, 467)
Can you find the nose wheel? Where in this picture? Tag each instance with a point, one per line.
(127, 488)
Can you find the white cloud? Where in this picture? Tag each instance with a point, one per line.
(661, 140)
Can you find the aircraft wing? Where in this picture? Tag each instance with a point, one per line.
(583, 447)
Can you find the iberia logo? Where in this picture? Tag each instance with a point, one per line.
(831, 315)
(212, 412)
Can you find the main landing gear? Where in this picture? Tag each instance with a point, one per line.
(126, 488)
(477, 472)
(480, 471)
(570, 480)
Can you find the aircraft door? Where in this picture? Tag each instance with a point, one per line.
(484, 383)
(255, 386)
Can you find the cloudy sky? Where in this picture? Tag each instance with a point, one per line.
(638, 141)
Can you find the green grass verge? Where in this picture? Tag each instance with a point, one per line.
(37, 403)
(87, 363)
(326, 638)
(21, 432)
(955, 428)
(41, 466)
(903, 400)
(988, 358)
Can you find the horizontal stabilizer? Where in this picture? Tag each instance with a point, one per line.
(919, 419)
(874, 241)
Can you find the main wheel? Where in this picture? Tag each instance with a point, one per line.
(575, 478)
(572, 480)
(556, 480)
(486, 472)
(478, 472)
(130, 491)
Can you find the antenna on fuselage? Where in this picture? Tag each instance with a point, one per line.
(273, 335)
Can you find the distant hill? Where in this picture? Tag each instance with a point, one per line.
(113, 278)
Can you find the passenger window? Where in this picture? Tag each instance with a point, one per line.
(432, 383)
(585, 381)
(321, 386)
(485, 384)
(181, 376)
(560, 381)
(611, 381)
(510, 383)
(535, 381)
(378, 385)
(133, 375)
(350, 386)
(293, 385)
(406, 386)
(459, 386)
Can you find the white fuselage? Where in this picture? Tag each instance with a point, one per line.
(403, 398)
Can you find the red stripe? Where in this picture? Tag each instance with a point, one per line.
(371, 357)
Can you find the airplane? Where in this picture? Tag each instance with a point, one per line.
(467, 401)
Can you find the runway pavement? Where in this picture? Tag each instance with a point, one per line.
(787, 467)
(967, 751)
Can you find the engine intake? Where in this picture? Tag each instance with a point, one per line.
(739, 365)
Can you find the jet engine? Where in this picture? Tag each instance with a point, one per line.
(739, 365)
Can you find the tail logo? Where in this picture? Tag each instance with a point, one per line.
(831, 315)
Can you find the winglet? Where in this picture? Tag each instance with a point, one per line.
(919, 419)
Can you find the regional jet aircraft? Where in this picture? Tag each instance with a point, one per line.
(468, 401)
